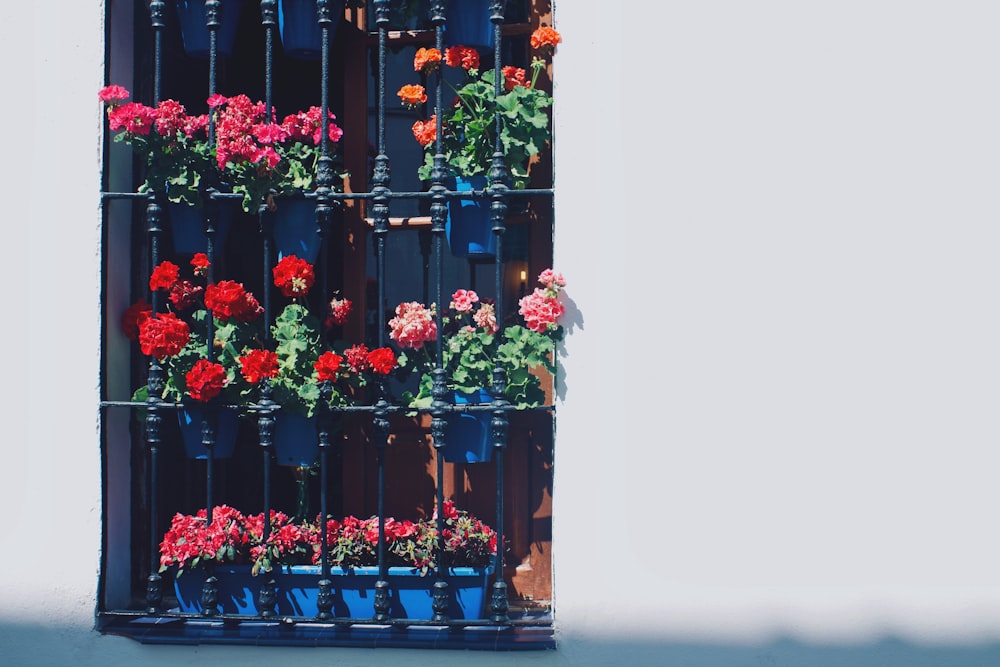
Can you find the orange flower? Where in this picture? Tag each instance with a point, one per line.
(426, 60)
(425, 131)
(412, 95)
(545, 39)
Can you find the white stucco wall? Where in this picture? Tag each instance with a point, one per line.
(779, 405)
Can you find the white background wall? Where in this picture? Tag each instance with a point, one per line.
(778, 437)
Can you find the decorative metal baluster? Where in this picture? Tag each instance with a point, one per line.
(499, 423)
(324, 597)
(439, 406)
(380, 214)
(155, 379)
(210, 591)
(265, 421)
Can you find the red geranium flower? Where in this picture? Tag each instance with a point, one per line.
(228, 299)
(259, 364)
(328, 366)
(163, 335)
(465, 57)
(293, 276)
(133, 317)
(382, 360)
(184, 294)
(200, 263)
(205, 380)
(164, 275)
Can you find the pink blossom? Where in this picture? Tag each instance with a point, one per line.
(463, 300)
(552, 280)
(112, 95)
(132, 117)
(486, 318)
(541, 311)
(413, 325)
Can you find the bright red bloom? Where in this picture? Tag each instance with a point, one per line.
(205, 380)
(513, 77)
(228, 299)
(426, 60)
(200, 263)
(328, 366)
(185, 295)
(216, 101)
(293, 276)
(133, 316)
(256, 365)
(412, 94)
(465, 57)
(163, 335)
(305, 126)
(425, 131)
(382, 360)
(545, 39)
(164, 275)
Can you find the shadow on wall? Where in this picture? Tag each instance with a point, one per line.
(59, 644)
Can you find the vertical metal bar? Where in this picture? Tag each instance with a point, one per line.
(155, 378)
(265, 420)
(380, 214)
(498, 214)
(209, 593)
(439, 407)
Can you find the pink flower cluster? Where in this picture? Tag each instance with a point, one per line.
(169, 118)
(245, 134)
(542, 309)
(413, 325)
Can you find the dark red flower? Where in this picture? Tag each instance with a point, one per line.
(133, 317)
(185, 295)
(228, 299)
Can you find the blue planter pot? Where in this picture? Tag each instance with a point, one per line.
(468, 439)
(194, 29)
(187, 227)
(237, 590)
(468, 226)
(295, 229)
(301, 35)
(296, 441)
(469, 24)
(297, 587)
(226, 420)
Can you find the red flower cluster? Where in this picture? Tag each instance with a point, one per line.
(514, 76)
(352, 542)
(328, 366)
(256, 365)
(228, 300)
(205, 380)
(169, 118)
(545, 39)
(465, 57)
(293, 276)
(163, 335)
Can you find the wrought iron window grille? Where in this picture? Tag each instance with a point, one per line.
(153, 621)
